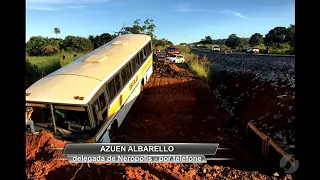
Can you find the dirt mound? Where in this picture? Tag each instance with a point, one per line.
(171, 106)
(39, 155)
(167, 69)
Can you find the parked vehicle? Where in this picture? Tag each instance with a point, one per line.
(176, 58)
(215, 48)
(252, 50)
(172, 50)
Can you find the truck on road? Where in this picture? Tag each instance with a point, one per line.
(172, 50)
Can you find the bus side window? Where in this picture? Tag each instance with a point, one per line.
(146, 50)
(118, 82)
(136, 60)
(141, 57)
(124, 75)
(111, 89)
(135, 64)
(129, 70)
(95, 109)
(149, 48)
(144, 53)
(102, 101)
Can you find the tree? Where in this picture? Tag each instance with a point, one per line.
(232, 40)
(162, 42)
(104, 38)
(32, 73)
(219, 41)
(100, 40)
(50, 47)
(276, 35)
(77, 44)
(148, 28)
(34, 45)
(206, 40)
(291, 34)
(241, 43)
(256, 39)
(56, 31)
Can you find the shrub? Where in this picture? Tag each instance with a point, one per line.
(32, 73)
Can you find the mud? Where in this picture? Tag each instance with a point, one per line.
(175, 106)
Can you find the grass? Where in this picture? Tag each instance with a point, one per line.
(49, 64)
(184, 49)
(282, 49)
(201, 67)
(69, 58)
(45, 64)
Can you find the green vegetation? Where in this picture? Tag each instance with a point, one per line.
(184, 49)
(200, 66)
(48, 64)
(40, 66)
(44, 55)
(32, 73)
(45, 64)
(280, 40)
(278, 49)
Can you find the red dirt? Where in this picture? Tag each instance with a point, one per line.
(174, 107)
(39, 155)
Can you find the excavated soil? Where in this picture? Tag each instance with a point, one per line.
(175, 106)
(260, 90)
(270, 109)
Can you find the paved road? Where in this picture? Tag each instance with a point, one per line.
(233, 53)
(242, 53)
(260, 54)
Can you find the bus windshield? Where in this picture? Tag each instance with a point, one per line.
(71, 123)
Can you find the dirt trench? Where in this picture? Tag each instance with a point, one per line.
(175, 106)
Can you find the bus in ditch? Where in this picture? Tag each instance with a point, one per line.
(88, 99)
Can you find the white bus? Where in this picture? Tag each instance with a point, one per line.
(87, 100)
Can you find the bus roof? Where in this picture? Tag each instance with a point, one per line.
(84, 76)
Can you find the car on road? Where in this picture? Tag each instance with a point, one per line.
(176, 58)
(215, 48)
(252, 50)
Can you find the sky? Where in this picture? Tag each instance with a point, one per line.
(180, 21)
